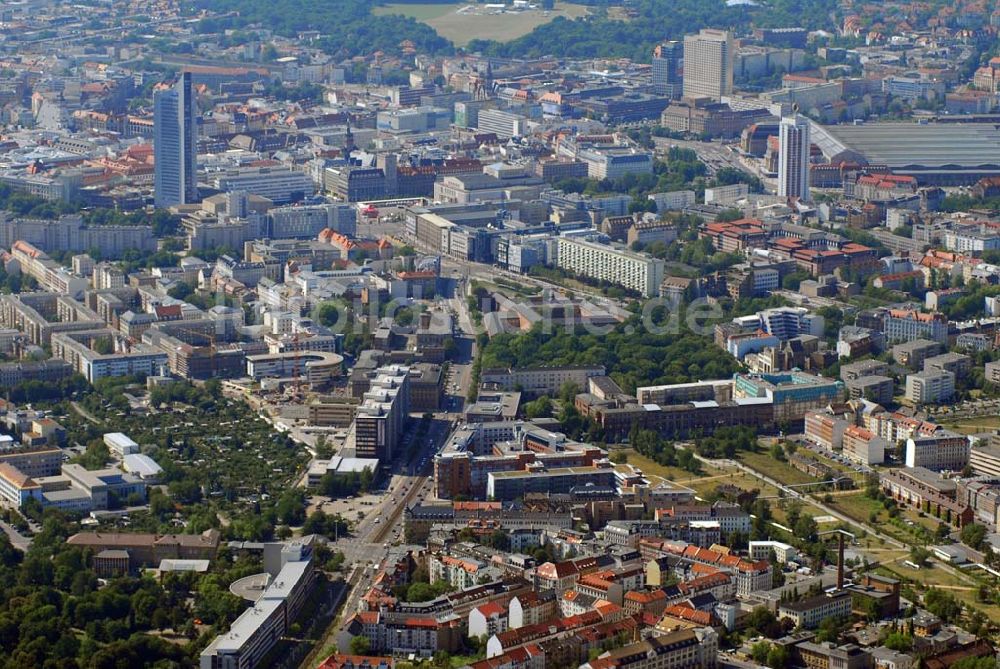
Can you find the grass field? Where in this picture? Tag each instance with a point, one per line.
(674, 474)
(465, 27)
(906, 528)
(703, 483)
(776, 469)
(974, 425)
(935, 576)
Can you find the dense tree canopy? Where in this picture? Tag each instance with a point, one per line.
(631, 355)
(348, 27)
(602, 35)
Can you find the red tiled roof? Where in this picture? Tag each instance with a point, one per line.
(689, 614)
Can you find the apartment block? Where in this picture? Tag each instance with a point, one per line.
(693, 648)
(824, 429)
(84, 350)
(863, 446)
(879, 389)
(930, 387)
(912, 354)
(640, 273)
(943, 450)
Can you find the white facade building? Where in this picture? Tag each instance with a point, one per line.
(793, 161)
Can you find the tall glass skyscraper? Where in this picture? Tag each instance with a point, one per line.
(666, 69)
(175, 147)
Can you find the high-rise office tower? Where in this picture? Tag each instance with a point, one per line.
(666, 76)
(175, 144)
(708, 64)
(793, 159)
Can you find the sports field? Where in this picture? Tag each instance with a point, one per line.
(464, 22)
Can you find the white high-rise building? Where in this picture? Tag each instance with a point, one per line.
(793, 161)
(708, 64)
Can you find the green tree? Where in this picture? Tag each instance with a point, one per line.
(328, 314)
(360, 645)
(759, 652)
(777, 657)
(973, 535)
(899, 641)
(539, 408)
(919, 555)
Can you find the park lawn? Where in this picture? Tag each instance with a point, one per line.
(703, 483)
(859, 507)
(935, 576)
(778, 470)
(666, 472)
(974, 425)
(465, 27)
(706, 486)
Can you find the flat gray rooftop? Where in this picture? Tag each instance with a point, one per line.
(930, 145)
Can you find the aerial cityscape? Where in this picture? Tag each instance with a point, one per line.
(504, 334)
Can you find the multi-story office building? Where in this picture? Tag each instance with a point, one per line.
(666, 72)
(256, 631)
(616, 162)
(68, 233)
(467, 112)
(513, 485)
(792, 393)
(811, 611)
(381, 417)
(175, 115)
(540, 380)
(943, 450)
(305, 222)
(930, 387)
(708, 64)
(641, 273)
(702, 116)
(34, 462)
(793, 161)
(504, 124)
(783, 553)
(17, 487)
(278, 184)
(789, 322)
(673, 200)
